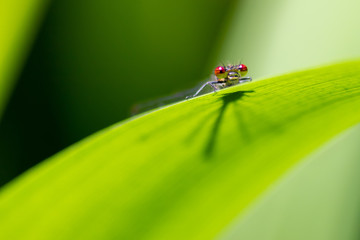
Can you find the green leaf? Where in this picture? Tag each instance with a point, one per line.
(185, 171)
(319, 199)
(18, 24)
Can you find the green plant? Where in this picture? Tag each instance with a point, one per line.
(185, 171)
(19, 21)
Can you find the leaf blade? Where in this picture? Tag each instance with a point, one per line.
(18, 24)
(185, 171)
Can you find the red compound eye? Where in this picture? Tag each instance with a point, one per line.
(219, 70)
(243, 68)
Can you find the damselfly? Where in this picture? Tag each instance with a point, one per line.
(224, 76)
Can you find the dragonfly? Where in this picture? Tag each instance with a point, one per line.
(224, 76)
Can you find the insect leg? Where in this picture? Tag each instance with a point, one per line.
(245, 79)
(202, 87)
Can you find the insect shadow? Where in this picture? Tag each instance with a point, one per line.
(227, 99)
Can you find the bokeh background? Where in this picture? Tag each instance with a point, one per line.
(70, 68)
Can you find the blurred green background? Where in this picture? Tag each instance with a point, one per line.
(70, 68)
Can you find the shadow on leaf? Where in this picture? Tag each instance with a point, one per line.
(227, 99)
